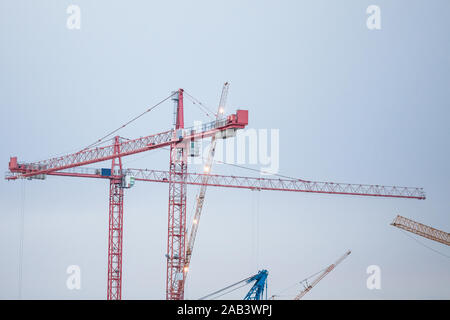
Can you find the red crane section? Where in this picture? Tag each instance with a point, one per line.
(115, 226)
(252, 183)
(164, 139)
(295, 185)
(176, 240)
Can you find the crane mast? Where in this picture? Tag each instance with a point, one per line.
(204, 183)
(321, 276)
(115, 227)
(421, 230)
(176, 239)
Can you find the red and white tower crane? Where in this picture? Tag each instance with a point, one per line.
(178, 139)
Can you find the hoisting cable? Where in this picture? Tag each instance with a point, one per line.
(251, 169)
(201, 105)
(424, 245)
(255, 227)
(228, 287)
(297, 283)
(259, 171)
(130, 121)
(230, 291)
(101, 140)
(202, 109)
(21, 236)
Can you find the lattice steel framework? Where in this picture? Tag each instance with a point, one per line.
(176, 240)
(421, 229)
(114, 289)
(176, 234)
(177, 177)
(295, 185)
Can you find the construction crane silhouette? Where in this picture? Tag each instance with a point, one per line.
(330, 268)
(179, 139)
(421, 230)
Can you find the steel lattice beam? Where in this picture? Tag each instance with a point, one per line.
(129, 147)
(115, 237)
(295, 185)
(176, 239)
(421, 230)
(176, 233)
(242, 182)
(115, 226)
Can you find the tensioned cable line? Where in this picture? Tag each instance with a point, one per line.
(245, 284)
(201, 108)
(206, 109)
(259, 171)
(130, 121)
(298, 283)
(21, 236)
(424, 245)
(101, 140)
(223, 289)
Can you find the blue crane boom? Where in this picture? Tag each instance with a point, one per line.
(256, 292)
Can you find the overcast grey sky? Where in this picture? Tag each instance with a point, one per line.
(351, 105)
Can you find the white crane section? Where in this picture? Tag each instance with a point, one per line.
(322, 275)
(202, 191)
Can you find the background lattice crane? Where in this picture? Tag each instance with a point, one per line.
(421, 229)
(330, 268)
